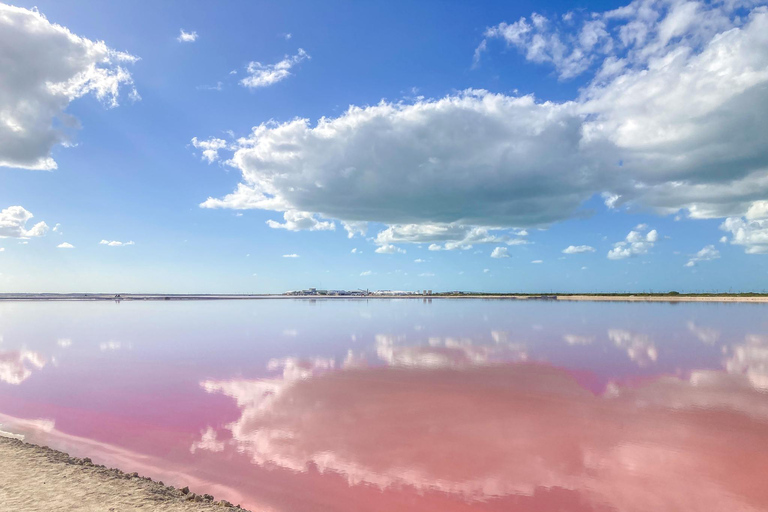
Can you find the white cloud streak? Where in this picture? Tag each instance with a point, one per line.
(263, 75)
(578, 249)
(115, 243)
(187, 37)
(708, 253)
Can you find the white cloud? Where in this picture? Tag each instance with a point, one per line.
(419, 260)
(454, 236)
(355, 251)
(64, 342)
(65, 245)
(635, 244)
(263, 75)
(355, 228)
(578, 249)
(13, 221)
(500, 252)
(366, 273)
(301, 221)
(667, 124)
(751, 231)
(290, 255)
(2, 249)
(44, 68)
(187, 37)
(210, 148)
(706, 254)
(486, 270)
(426, 274)
(115, 243)
(389, 249)
(541, 42)
(537, 261)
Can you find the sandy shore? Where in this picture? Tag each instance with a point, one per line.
(602, 298)
(661, 298)
(34, 478)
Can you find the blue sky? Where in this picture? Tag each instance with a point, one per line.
(515, 130)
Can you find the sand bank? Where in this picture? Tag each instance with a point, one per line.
(665, 298)
(34, 478)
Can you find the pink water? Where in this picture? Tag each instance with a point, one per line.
(453, 405)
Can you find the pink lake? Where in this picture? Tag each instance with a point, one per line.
(382, 405)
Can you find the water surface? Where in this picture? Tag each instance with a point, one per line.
(381, 405)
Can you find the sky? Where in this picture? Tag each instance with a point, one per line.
(259, 147)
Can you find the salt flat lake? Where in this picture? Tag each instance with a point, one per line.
(383, 405)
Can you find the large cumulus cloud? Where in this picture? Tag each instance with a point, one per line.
(45, 67)
(674, 118)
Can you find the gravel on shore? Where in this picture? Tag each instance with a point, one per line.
(37, 478)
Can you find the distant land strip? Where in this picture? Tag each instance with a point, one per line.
(618, 297)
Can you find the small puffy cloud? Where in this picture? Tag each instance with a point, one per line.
(419, 260)
(65, 245)
(57, 228)
(44, 68)
(706, 254)
(500, 252)
(723, 239)
(2, 249)
(355, 251)
(366, 273)
(210, 148)
(13, 222)
(263, 75)
(751, 231)
(187, 37)
(301, 221)
(116, 243)
(290, 255)
(578, 249)
(389, 249)
(635, 244)
(486, 270)
(537, 261)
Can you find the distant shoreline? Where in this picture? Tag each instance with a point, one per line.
(23, 297)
